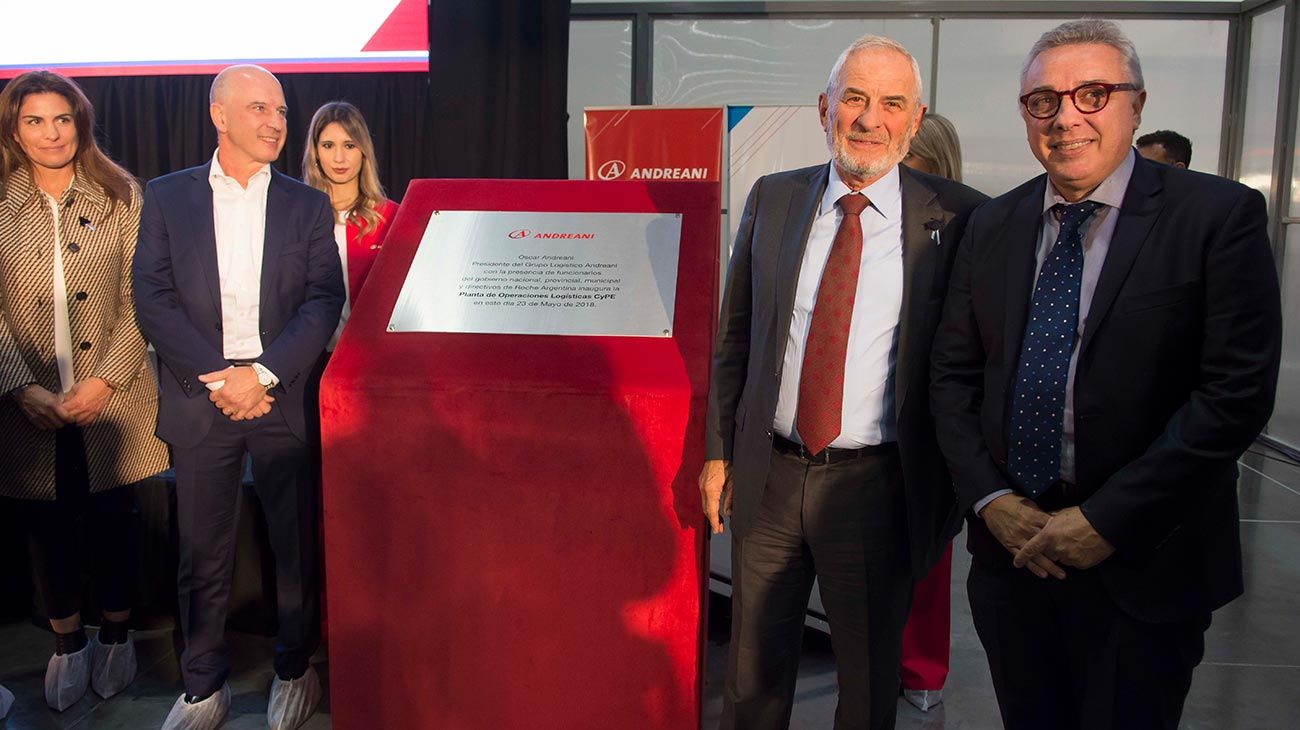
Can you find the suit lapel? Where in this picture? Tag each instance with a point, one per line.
(1021, 257)
(1141, 207)
(203, 226)
(920, 207)
(805, 194)
(277, 227)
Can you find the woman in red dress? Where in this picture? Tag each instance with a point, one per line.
(340, 161)
(935, 150)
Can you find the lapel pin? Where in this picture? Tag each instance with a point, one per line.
(85, 222)
(933, 226)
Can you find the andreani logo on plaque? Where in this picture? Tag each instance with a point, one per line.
(596, 274)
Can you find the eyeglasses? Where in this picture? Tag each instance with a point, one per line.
(1087, 98)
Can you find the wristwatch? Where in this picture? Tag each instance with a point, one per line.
(264, 376)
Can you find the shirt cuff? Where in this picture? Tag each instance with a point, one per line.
(985, 502)
(262, 370)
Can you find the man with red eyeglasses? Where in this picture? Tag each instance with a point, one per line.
(1108, 349)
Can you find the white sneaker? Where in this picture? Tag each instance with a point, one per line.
(6, 701)
(923, 699)
(114, 667)
(293, 700)
(67, 676)
(205, 715)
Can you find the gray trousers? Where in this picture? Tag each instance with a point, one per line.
(844, 524)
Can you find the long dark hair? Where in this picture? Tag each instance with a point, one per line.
(115, 181)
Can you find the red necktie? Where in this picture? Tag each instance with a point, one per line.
(821, 382)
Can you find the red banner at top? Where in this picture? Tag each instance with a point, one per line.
(648, 143)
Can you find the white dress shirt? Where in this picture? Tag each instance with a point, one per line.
(62, 323)
(341, 238)
(868, 411)
(239, 220)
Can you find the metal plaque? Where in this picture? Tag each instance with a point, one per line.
(543, 274)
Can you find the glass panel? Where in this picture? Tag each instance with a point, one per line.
(1285, 425)
(600, 74)
(1259, 126)
(978, 87)
(1295, 164)
(1183, 63)
(715, 62)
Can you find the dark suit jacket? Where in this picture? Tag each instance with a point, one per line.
(178, 295)
(1175, 377)
(758, 303)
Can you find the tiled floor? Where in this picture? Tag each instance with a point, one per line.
(1250, 679)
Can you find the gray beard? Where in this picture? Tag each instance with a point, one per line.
(865, 171)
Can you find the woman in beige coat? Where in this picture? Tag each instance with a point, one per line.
(78, 399)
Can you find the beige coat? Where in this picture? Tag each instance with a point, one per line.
(106, 343)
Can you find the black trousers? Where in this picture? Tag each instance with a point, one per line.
(79, 529)
(207, 511)
(844, 524)
(1064, 656)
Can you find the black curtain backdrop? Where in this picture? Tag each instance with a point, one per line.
(499, 78)
(493, 104)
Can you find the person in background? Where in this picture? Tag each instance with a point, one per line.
(339, 160)
(1108, 349)
(935, 149)
(1166, 147)
(238, 286)
(78, 398)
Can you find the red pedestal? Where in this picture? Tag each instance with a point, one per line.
(513, 533)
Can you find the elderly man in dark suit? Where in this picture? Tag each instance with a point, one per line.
(1109, 348)
(820, 442)
(238, 286)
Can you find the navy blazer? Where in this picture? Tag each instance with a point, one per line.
(178, 295)
(1176, 374)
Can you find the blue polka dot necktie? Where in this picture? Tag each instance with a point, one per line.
(1038, 401)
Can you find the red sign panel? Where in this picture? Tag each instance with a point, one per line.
(649, 143)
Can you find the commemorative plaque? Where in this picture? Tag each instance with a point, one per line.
(536, 273)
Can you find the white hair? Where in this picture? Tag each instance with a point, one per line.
(870, 43)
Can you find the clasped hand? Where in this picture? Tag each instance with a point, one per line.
(1042, 542)
(241, 397)
(81, 404)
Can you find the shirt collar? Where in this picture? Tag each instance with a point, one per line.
(216, 174)
(1109, 193)
(82, 186)
(20, 189)
(886, 194)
